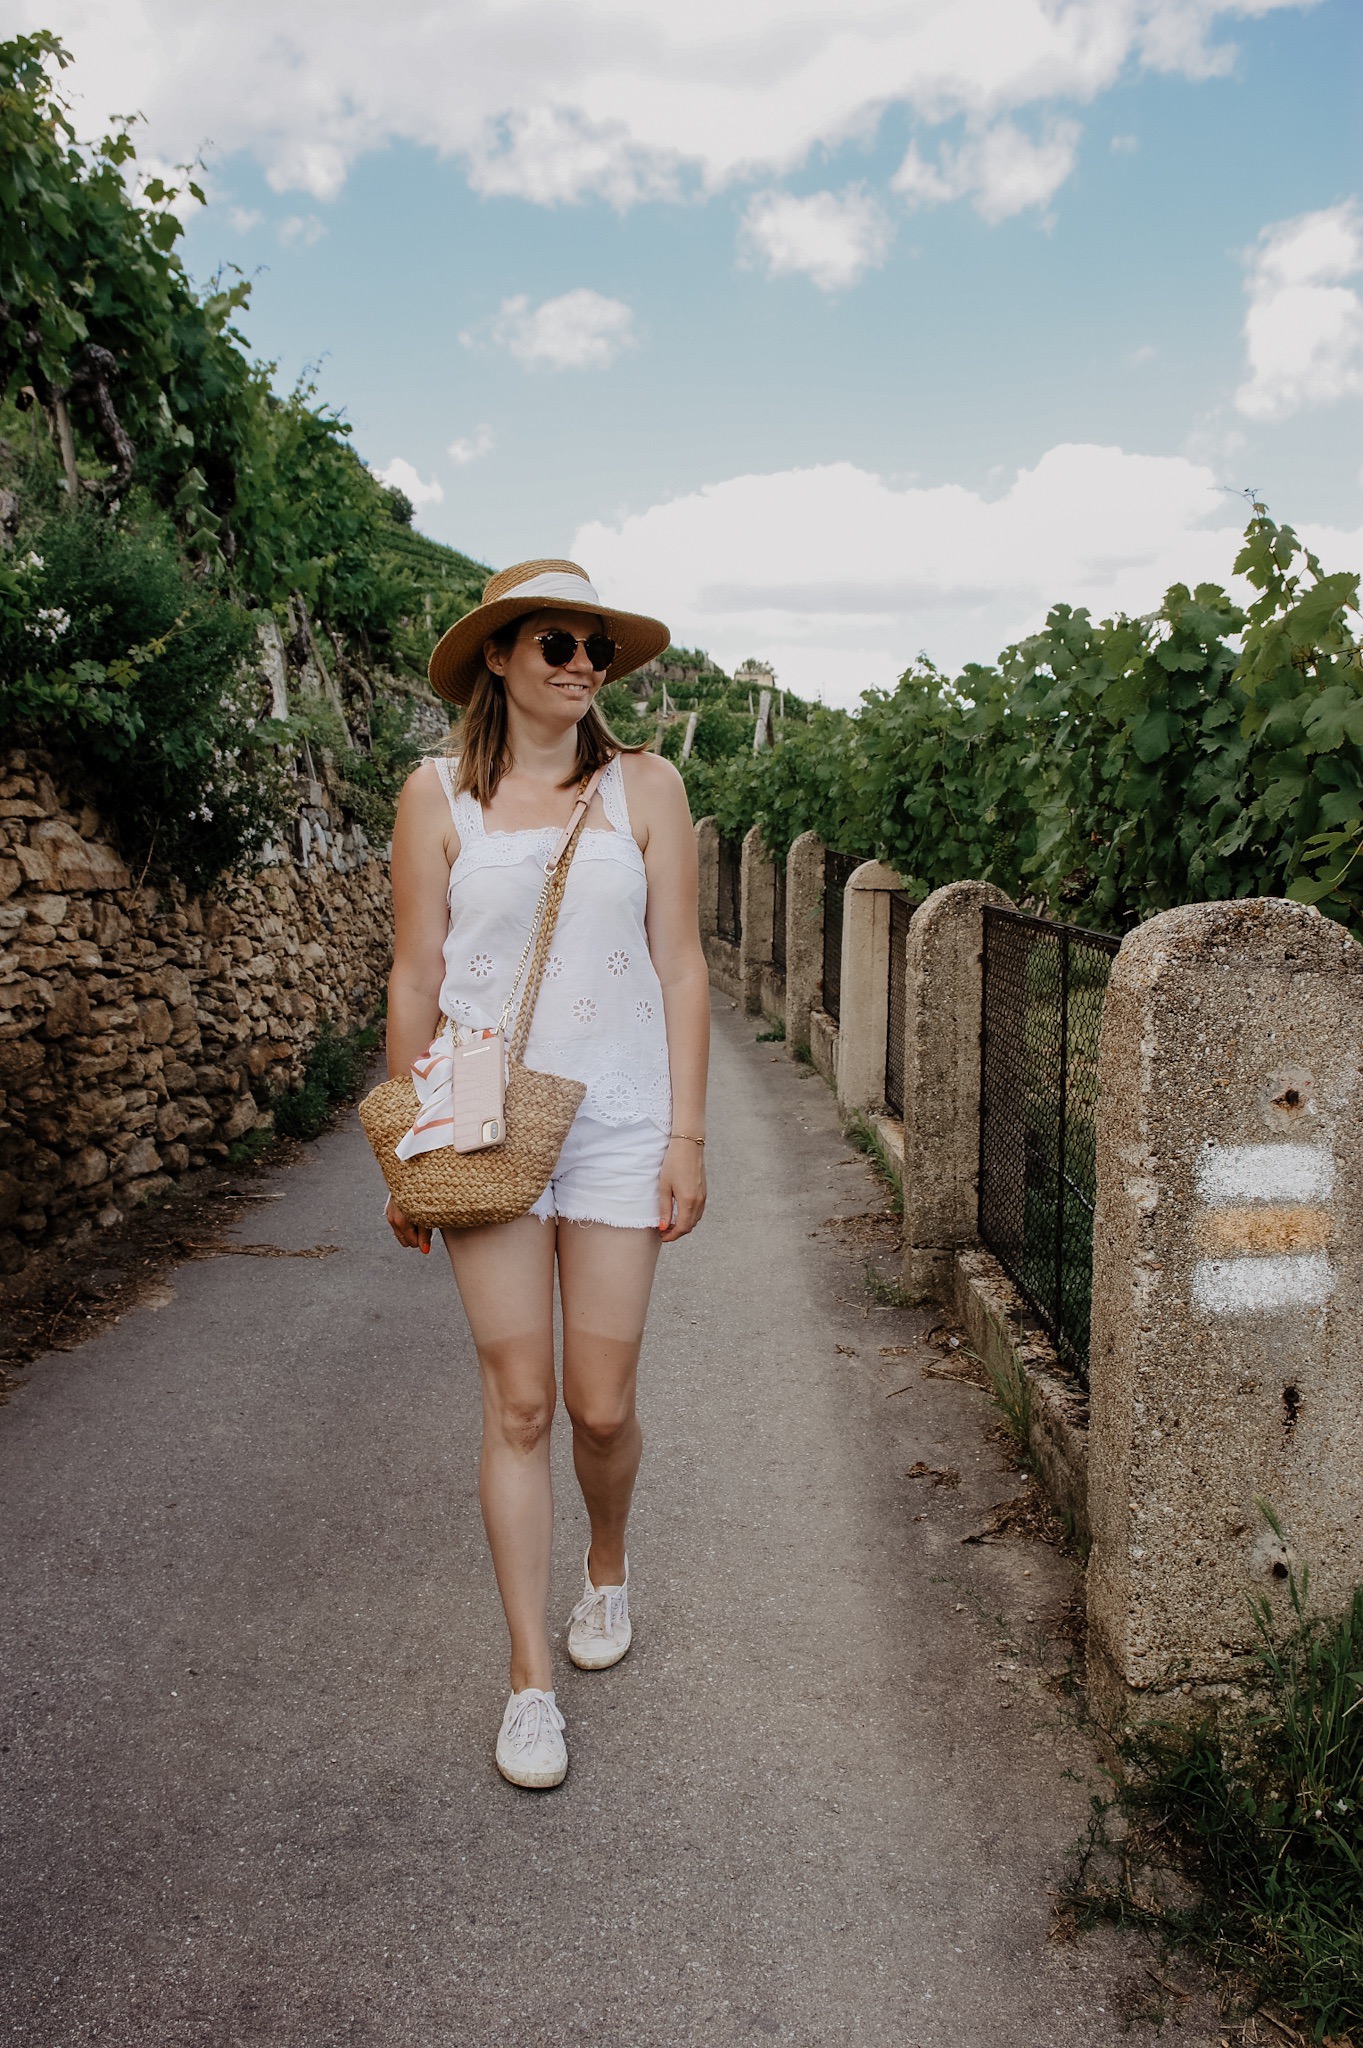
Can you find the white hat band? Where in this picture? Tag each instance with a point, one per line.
(553, 583)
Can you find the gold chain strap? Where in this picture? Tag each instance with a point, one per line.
(535, 924)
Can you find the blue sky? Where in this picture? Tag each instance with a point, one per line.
(804, 400)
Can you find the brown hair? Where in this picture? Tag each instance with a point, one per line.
(479, 739)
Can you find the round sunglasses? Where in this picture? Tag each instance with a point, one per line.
(559, 646)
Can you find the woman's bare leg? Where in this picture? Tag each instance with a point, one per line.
(505, 1276)
(604, 1276)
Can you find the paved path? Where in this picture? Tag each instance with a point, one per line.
(254, 1664)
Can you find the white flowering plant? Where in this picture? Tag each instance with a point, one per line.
(112, 650)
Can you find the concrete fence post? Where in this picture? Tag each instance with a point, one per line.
(707, 857)
(943, 986)
(1227, 1342)
(757, 887)
(865, 986)
(804, 939)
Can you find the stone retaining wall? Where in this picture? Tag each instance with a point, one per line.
(138, 1025)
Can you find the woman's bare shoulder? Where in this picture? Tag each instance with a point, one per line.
(424, 790)
(426, 774)
(651, 778)
(423, 813)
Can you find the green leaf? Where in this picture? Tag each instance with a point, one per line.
(1152, 736)
(1305, 891)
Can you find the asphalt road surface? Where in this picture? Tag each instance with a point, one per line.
(253, 1664)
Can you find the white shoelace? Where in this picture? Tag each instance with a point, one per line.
(602, 1610)
(530, 1712)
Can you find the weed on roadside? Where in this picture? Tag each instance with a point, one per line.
(889, 1293)
(1011, 1392)
(774, 1034)
(1265, 1814)
(859, 1133)
(251, 1146)
(334, 1074)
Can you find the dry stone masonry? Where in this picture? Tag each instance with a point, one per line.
(141, 1027)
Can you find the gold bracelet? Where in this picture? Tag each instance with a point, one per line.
(687, 1139)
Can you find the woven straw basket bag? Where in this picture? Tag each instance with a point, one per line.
(449, 1190)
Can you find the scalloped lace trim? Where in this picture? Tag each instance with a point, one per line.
(619, 1090)
(508, 849)
(613, 799)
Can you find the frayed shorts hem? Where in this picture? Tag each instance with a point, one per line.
(606, 1173)
(614, 1222)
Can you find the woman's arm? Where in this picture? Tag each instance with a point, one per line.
(658, 803)
(425, 846)
(420, 874)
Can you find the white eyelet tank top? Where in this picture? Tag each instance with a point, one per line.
(599, 1018)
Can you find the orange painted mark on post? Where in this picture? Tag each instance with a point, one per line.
(1263, 1227)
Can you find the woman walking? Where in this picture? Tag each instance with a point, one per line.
(624, 1009)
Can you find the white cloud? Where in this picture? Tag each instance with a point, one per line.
(301, 230)
(621, 98)
(244, 218)
(473, 448)
(829, 237)
(581, 330)
(840, 579)
(1304, 325)
(400, 475)
(1001, 170)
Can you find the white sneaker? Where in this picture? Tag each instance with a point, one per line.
(530, 1746)
(599, 1631)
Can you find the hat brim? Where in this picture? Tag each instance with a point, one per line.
(457, 659)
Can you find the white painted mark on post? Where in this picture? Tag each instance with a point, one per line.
(1249, 1286)
(1300, 1177)
(1265, 1173)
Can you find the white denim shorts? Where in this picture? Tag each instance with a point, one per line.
(606, 1173)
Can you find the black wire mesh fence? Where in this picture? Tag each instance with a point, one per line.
(778, 917)
(837, 872)
(1043, 1005)
(729, 918)
(901, 910)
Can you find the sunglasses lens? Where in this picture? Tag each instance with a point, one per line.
(556, 646)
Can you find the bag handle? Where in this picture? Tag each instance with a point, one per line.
(542, 924)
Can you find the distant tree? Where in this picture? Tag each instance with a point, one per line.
(400, 506)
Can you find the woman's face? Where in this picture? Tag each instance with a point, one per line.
(538, 691)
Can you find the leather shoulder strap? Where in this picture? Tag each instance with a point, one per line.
(574, 825)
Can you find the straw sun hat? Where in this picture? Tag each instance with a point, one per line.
(527, 587)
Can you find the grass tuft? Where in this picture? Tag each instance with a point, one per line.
(1265, 1813)
(256, 1141)
(889, 1293)
(334, 1074)
(860, 1135)
(1011, 1392)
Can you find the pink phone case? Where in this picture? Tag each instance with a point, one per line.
(479, 1087)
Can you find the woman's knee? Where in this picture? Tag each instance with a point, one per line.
(518, 1399)
(602, 1420)
(522, 1421)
